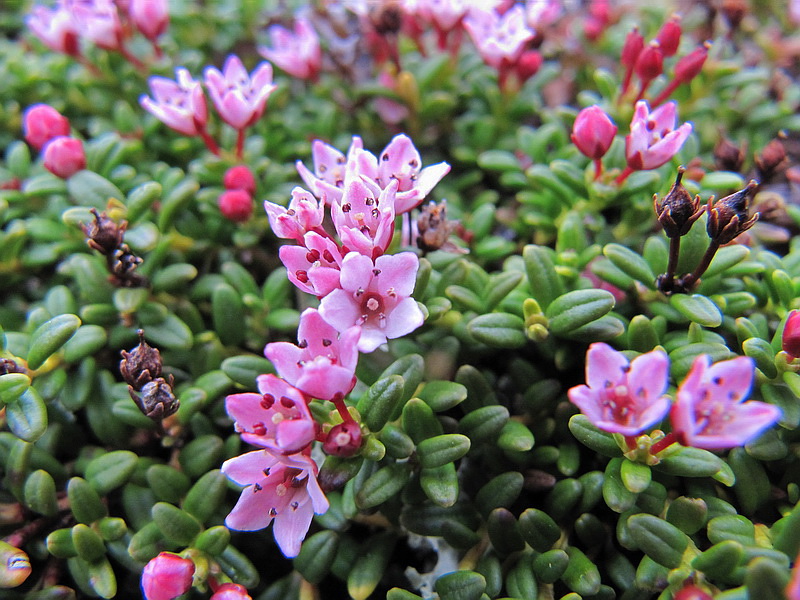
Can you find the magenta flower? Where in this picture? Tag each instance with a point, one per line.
(375, 296)
(790, 338)
(283, 488)
(55, 29)
(150, 17)
(296, 52)
(314, 266)
(64, 156)
(98, 21)
(240, 98)
(41, 123)
(653, 139)
(323, 363)
(276, 418)
(364, 218)
(500, 39)
(593, 132)
(303, 214)
(231, 591)
(623, 397)
(710, 411)
(178, 104)
(236, 205)
(167, 576)
(327, 180)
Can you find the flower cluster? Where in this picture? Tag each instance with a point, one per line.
(239, 97)
(104, 23)
(709, 410)
(48, 131)
(364, 299)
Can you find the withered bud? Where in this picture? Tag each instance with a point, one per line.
(141, 365)
(104, 235)
(123, 264)
(387, 17)
(433, 227)
(678, 212)
(156, 400)
(771, 161)
(727, 218)
(9, 366)
(728, 156)
(734, 12)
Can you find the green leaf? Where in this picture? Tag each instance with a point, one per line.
(574, 309)
(539, 529)
(382, 485)
(227, 311)
(87, 340)
(176, 525)
(111, 470)
(544, 281)
(201, 455)
(246, 368)
(635, 476)
(12, 386)
(500, 491)
(485, 423)
(460, 585)
(91, 189)
(630, 263)
(498, 330)
(88, 543)
(26, 416)
(581, 575)
(660, 540)
(206, 495)
(380, 401)
(213, 540)
(317, 555)
(498, 160)
(440, 484)
(443, 395)
(49, 337)
(40, 493)
(84, 501)
(440, 450)
(697, 309)
(369, 567)
(592, 437)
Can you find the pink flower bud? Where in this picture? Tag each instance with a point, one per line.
(236, 205)
(691, 592)
(790, 341)
(240, 177)
(151, 17)
(64, 156)
(528, 65)
(41, 123)
(634, 44)
(167, 576)
(669, 37)
(593, 132)
(343, 440)
(231, 591)
(688, 67)
(650, 63)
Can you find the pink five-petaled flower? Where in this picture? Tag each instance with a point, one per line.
(323, 363)
(375, 296)
(303, 214)
(790, 339)
(709, 411)
(277, 417)
(296, 52)
(283, 488)
(240, 98)
(314, 266)
(64, 156)
(327, 180)
(500, 39)
(593, 132)
(623, 397)
(178, 104)
(653, 139)
(55, 29)
(364, 217)
(41, 123)
(167, 576)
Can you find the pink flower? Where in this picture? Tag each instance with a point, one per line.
(98, 21)
(298, 52)
(375, 296)
(179, 104)
(327, 180)
(236, 205)
(790, 339)
(343, 440)
(710, 411)
(231, 591)
(653, 139)
(64, 156)
(623, 397)
(364, 218)
(314, 266)
(167, 576)
(55, 29)
(303, 214)
(793, 587)
(323, 363)
(593, 132)
(283, 488)
(240, 177)
(41, 123)
(276, 418)
(499, 39)
(240, 98)
(542, 13)
(151, 17)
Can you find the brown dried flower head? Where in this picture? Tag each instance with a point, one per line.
(727, 218)
(104, 234)
(141, 365)
(678, 211)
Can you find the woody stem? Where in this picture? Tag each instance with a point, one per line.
(672, 265)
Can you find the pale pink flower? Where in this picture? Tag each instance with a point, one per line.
(327, 180)
(296, 52)
(55, 29)
(277, 417)
(304, 214)
(364, 218)
(151, 17)
(500, 39)
(710, 411)
(167, 576)
(653, 139)
(542, 13)
(240, 98)
(323, 363)
(41, 123)
(375, 296)
(64, 156)
(283, 488)
(620, 396)
(313, 266)
(178, 104)
(97, 21)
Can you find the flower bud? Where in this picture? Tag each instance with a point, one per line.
(151, 17)
(240, 177)
(728, 156)
(691, 592)
(528, 65)
(64, 156)
(343, 440)
(771, 161)
(634, 44)
(669, 37)
(650, 63)
(688, 67)
(231, 591)
(167, 576)
(728, 216)
(236, 205)
(593, 132)
(679, 210)
(41, 123)
(790, 340)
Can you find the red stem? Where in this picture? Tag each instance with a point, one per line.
(631, 441)
(598, 168)
(623, 176)
(666, 92)
(240, 143)
(209, 141)
(342, 408)
(663, 443)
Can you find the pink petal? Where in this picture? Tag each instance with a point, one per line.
(339, 309)
(404, 318)
(730, 380)
(244, 408)
(251, 512)
(248, 468)
(356, 273)
(291, 528)
(604, 366)
(284, 357)
(294, 435)
(648, 377)
(397, 271)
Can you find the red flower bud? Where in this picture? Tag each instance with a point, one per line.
(634, 44)
(593, 132)
(236, 205)
(688, 67)
(650, 63)
(691, 592)
(41, 123)
(790, 341)
(240, 177)
(64, 156)
(528, 65)
(669, 37)
(167, 576)
(343, 440)
(231, 591)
